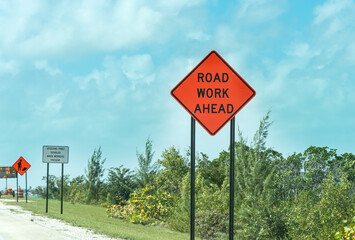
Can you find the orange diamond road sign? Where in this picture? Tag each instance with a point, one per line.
(213, 93)
(21, 166)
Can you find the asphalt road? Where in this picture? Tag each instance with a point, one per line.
(15, 227)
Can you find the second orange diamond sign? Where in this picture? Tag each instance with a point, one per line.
(21, 166)
(213, 93)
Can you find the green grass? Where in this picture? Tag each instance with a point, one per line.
(95, 218)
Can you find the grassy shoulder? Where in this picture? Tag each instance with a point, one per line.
(95, 218)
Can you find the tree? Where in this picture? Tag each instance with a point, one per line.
(289, 176)
(316, 216)
(77, 190)
(54, 187)
(174, 168)
(317, 165)
(120, 183)
(215, 171)
(65, 187)
(39, 191)
(93, 175)
(146, 171)
(259, 215)
(349, 168)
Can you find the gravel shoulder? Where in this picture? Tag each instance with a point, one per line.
(18, 224)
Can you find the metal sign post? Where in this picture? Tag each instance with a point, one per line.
(192, 183)
(47, 188)
(26, 187)
(61, 198)
(231, 180)
(17, 186)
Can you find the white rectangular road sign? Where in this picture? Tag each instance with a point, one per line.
(55, 154)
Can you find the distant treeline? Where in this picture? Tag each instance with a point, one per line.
(307, 195)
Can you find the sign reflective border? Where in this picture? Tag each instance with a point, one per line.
(213, 93)
(55, 154)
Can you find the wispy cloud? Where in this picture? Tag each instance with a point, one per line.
(199, 36)
(138, 69)
(301, 50)
(128, 71)
(260, 11)
(331, 10)
(39, 29)
(52, 105)
(334, 17)
(10, 67)
(43, 65)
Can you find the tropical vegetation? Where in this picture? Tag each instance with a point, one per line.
(306, 195)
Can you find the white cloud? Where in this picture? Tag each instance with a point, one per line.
(259, 11)
(331, 9)
(83, 82)
(43, 65)
(120, 75)
(351, 54)
(138, 69)
(106, 80)
(301, 50)
(335, 17)
(52, 104)
(17, 20)
(42, 29)
(333, 26)
(59, 123)
(199, 36)
(318, 86)
(309, 64)
(8, 67)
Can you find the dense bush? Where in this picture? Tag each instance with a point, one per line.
(315, 216)
(347, 231)
(211, 223)
(143, 208)
(179, 218)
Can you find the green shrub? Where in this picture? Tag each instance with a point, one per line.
(314, 217)
(143, 208)
(347, 232)
(211, 223)
(179, 218)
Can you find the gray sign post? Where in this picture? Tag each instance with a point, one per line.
(55, 154)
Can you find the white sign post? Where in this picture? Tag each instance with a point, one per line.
(55, 154)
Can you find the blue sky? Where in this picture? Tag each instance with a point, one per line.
(99, 73)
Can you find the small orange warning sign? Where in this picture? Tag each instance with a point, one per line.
(21, 166)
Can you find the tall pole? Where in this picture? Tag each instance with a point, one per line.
(26, 187)
(61, 204)
(231, 180)
(47, 188)
(6, 184)
(192, 203)
(17, 185)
